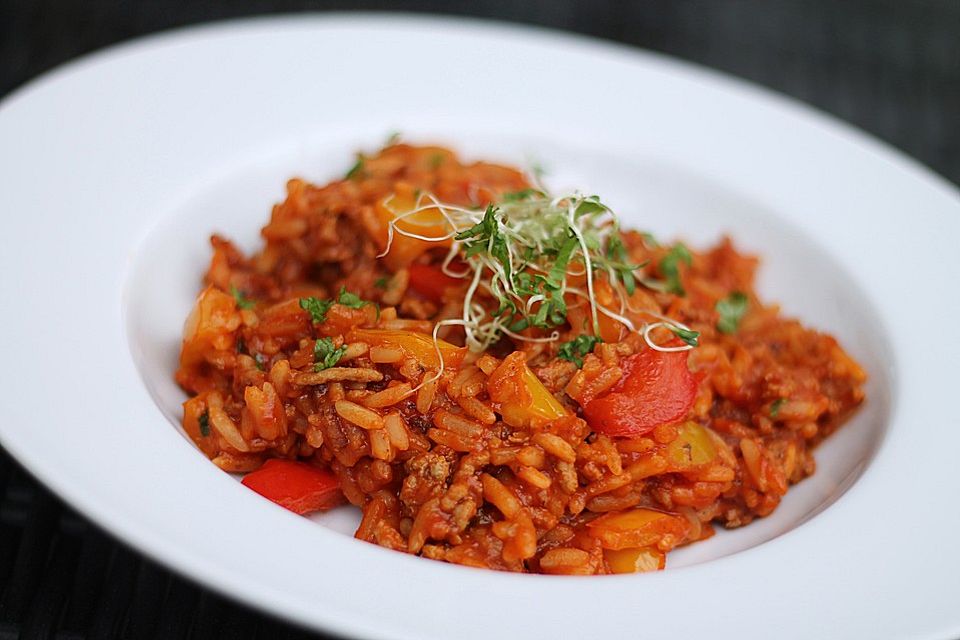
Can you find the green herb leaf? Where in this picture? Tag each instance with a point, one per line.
(486, 236)
(670, 267)
(589, 205)
(499, 250)
(242, 301)
(775, 406)
(483, 229)
(559, 269)
(204, 421)
(731, 310)
(436, 160)
(629, 282)
(351, 300)
(381, 283)
(520, 325)
(356, 169)
(505, 306)
(325, 355)
(552, 311)
(689, 336)
(619, 259)
(649, 240)
(392, 139)
(558, 309)
(576, 349)
(526, 284)
(591, 239)
(540, 317)
(316, 307)
(474, 249)
(616, 249)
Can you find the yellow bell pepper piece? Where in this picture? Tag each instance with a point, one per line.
(522, 397)
(635, 560)
(416, 345)
(692, 447)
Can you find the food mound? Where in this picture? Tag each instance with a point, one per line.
(501, 377)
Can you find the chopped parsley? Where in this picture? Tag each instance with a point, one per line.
(204, 421)
(731, 310)
(392, 139)
(649, 240)
(242, 301)
(316, 307)
(381, 283)
(688, 336)
(775, 406)
(577, 348)
(351, 300)
(436, 160)
(670, 268)
(355, 170)
(325, 355)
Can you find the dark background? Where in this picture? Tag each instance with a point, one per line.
(890, 67)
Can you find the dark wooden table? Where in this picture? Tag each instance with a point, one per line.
(891, 67)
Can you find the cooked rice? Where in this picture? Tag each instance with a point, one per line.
(439, 461)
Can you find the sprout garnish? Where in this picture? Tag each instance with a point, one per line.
(531, 253)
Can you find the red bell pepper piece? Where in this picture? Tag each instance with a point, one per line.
(656, 388)
(431, 282)
(297, 486)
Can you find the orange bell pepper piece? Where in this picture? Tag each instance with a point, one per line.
(639, 528)
(428, 223)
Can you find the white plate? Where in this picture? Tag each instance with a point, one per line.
(114, 169)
